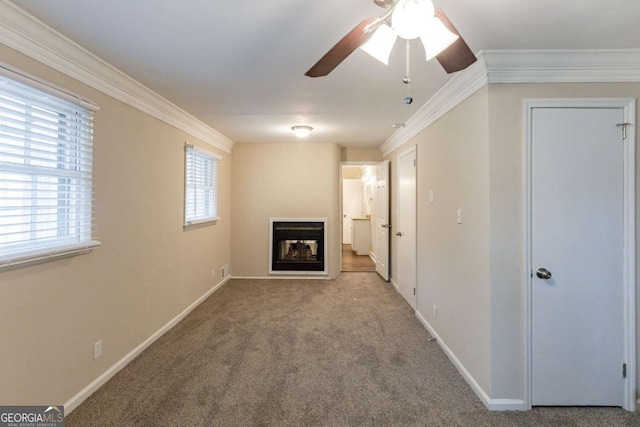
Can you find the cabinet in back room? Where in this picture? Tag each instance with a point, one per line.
(361, 236)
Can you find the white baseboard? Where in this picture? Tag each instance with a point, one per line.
(76, 400)
(282, 277)
(395, 285)
(491, 404)
(506, 405)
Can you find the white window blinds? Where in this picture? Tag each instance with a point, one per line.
(46, 164)
(201, 186)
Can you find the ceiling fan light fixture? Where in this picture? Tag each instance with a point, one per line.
(436, 38)
(409, 17)
(380, 44)
(301, 131)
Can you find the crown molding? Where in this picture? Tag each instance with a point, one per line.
(457, 89)
(563, 66)
(521, 66)
(32, 37)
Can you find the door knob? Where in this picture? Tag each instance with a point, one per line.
(543, 273)
(398, 233)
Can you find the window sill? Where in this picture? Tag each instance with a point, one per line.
(42, 256)
(200, 223)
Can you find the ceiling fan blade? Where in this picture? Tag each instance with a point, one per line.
(384, 3)
(458, 55)
(341, 50)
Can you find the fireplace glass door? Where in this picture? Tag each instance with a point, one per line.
(297, 246)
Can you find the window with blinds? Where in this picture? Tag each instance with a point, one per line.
(46, 205)
(201, 186)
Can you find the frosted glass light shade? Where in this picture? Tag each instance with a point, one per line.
(380, 44)
(409, 17)
(436, 38)
(302, 131)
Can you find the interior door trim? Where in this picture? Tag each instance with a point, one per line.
(628, 105)
(340, 204)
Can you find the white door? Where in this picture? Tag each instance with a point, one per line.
(351, 206)
(405, 274)
(382, 219)
(577, 241)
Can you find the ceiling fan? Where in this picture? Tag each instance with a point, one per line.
(407, 19)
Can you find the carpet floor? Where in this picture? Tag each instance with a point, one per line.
(344, 352)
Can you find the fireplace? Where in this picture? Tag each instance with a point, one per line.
(297, 246)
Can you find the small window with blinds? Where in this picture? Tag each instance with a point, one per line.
(201, 186)
(46, 206)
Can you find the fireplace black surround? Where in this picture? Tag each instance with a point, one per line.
(297, 246)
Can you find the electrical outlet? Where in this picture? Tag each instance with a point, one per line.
(97, 349)
(435, 312)
(225, 271)
(213, 273)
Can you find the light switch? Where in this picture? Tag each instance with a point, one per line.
(459, 216)
(432, 196)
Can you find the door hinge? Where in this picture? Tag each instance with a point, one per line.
(624, 370)
(414, 162)
(414, 291)
(624, 129)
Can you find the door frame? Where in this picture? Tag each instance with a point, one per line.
(628, 105)
(340, 204)
(413, 149)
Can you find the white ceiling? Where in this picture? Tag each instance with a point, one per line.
(239, 65)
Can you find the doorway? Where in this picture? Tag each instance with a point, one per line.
(357, 208)
(580, 298)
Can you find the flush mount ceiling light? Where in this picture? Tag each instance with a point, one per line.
(302, 131)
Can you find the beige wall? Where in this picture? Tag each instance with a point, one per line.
(453, 259)
(357, 154)
(282, 180)
(351, 172)
(473, 158)
(453, 155)
(146, 272)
